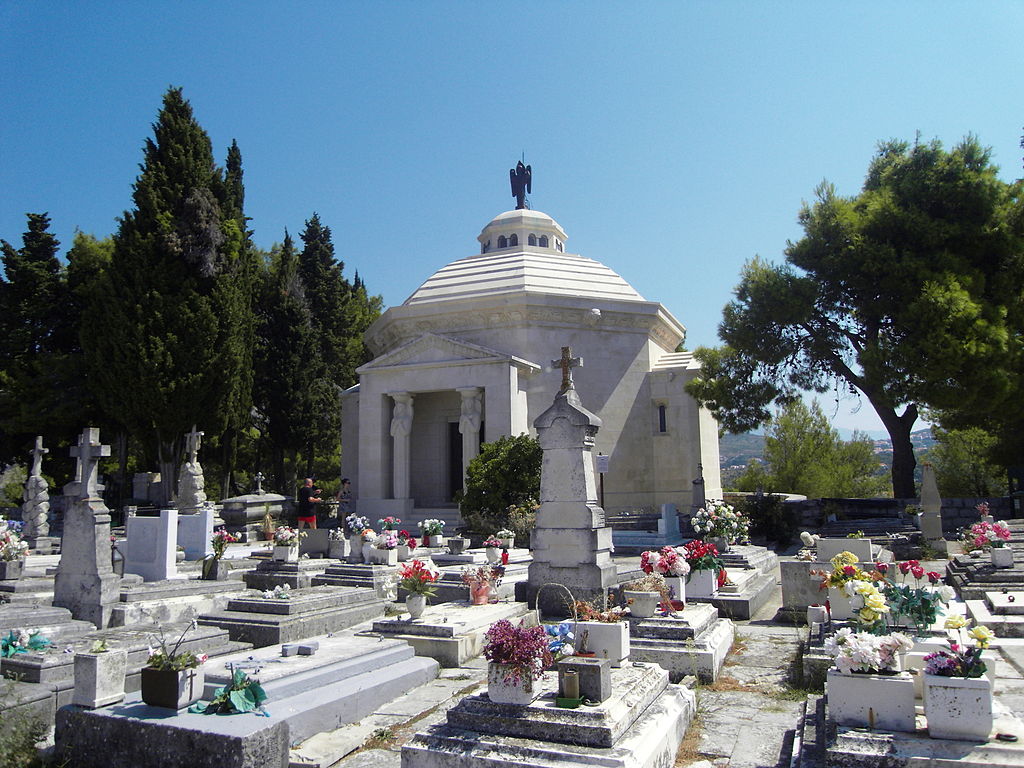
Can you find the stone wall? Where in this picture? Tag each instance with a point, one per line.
(956, 512)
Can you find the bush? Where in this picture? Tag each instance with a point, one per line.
(770, 518)
(502, 486)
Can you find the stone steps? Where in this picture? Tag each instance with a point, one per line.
(695, 642)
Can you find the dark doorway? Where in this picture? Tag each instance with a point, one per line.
(454, 459)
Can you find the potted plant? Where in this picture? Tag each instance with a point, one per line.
(492, 548)
(994, 538)
(957, 693)
(506, 537)
(13, 552)
(644, 594)
(385, 548)
(23, 641)
(866, 688)
(286, 544)
(269, 526)
(917, 605)
(517, 656)
(720, 524)
(99, 676)
(172, 678)
(842, 602)
(673, 566)
(432, 530)
(406, 546)
(337, 544)
(354, 527)
(389, 523)
(214, 569)
(482, 580)
(417, 579)
(241, 695)
(602, 631)
(707, 573)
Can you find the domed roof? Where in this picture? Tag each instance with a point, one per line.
(523, 251)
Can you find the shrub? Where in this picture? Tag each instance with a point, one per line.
(502, 484)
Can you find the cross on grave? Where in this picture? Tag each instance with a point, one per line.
(37, 457)
(567, 362)
(259, 482)
(193, 441)
(88, 453)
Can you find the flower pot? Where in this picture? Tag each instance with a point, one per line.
(987, 519)
(842, 607)
(367, 549)
(404, 553)
(11, 569)
(1002, 557)
(480, 595)
(958, 707)
(99, 678)
(703, 583)
(677, 586)
(339, 549)
(642, 605)
(384, 556)
(608, 640)
(355, 548)
(457, 545)
(871, 701)
(721, 544)
(215, 569)
(816, 614)
(171, 689)
(415, 605)
(500, 692)
(508, 542)
(434, 540)
(286, 554)
(493, 554)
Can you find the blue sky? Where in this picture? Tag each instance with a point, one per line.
(672, 141)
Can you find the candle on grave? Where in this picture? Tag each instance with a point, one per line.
(570, 684)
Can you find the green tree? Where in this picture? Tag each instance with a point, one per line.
(900, 293)
(164, 345)
(804, 454)
(505, 473)
(963, 467)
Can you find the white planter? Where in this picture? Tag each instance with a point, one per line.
(607, 640)
(816, 614)
(958, 707)
(842, 607)
(508, 543)
(435, 540)
(367, 547)
(501, 692)
(720, 543)
(338, 549)
(702, 583)
(1002, 557)
(286, 554)
(677, 586)
(99, 678)
(355, 548)
(493, 554)
(884, 702)
(404, 553)
(643, 604)
(384, 556)
(415, 605)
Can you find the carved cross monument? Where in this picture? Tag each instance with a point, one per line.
(193, 442)
(259, 478)
(36, 509)
(37, 457)
(88, 452)
(567, 362)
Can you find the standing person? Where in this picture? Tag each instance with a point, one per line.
(308, 496)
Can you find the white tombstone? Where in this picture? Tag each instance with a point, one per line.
(195, 532)
(151, 547)
(931, 509)
(668, 525)
(829, 548)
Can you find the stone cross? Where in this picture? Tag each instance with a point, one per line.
(37, 457)
(567, 362)
(259, 482)
(88, 453)
(193, 441)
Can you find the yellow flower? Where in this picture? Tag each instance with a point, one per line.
(844, 558)
(983, 635)
(876, 603)
(867, 588)
(955, 621)
(867, 615)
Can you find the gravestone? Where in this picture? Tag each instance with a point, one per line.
(35, 512)
(85, 582)
(931, 506)
(571, 543)
(195, 532)
(151, 546)
(191, 484)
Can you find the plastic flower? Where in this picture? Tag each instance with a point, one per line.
(983, 635)
(955, 621)
(876, 603)
(934, 577)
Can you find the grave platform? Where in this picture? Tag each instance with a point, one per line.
(694, 641)
(53, 623)
(750, 557)
(453, 633)
(307, 613)
(28, 589)
(640, 726)
(973, 577)
(1002, 612)
(379, 578)
(749, 591)
(172, 600)
(273, 573)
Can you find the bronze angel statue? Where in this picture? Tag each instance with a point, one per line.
(520, 176)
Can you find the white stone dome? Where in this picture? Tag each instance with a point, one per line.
(523, 251)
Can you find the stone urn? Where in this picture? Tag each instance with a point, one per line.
(457, 545)
(338, 549)
(507, 542)
(415, 605)
(434, 540)
(493, 554)
(841, 607)
(606, 639)
(383, 556)
(99, 678)
(404, 553)
(677, 587)
(720, 543)
(171, 689)
(215, 569)
(816, 614)
(702, 583)
(642, 605)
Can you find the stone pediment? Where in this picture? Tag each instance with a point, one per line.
(433, 349)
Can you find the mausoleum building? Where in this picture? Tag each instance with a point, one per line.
(467, 358)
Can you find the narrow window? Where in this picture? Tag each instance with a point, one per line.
(502, 242)
(513, 240)
(662, 420)
(543, 241)
(532, 239)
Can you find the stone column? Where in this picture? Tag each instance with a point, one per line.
(35, 512)
(931, 509)
(401, 429)
(469, 424)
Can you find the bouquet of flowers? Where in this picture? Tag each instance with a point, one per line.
(220, 541)
(475, 578)
(417, 578)
(917, 602)
(387, 540)
(983, 509)
(960, 660)
(432, 527)
(174, 658)
(844, 570)
(356, 524)
(865, 652)
(562, 637)
(368, 534)
(492, 542)
(871, 617)
(665, 561)
(11, 545)
(280, 592)
(22, 641)
(287, 537)
(720, 520)
(989, 535)
(588, 611)
(389, 523)
(523, 650)
(336, 534)
(701, 556)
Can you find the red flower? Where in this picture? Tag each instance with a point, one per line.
(934, 577)
(881, 567)
(918, 571)
(904, 567)
(913, 562)
(849, 570)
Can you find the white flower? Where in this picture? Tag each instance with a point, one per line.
(945, 592)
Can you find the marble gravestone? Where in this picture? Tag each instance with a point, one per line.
(931, 509)
(151, 546)
(571, 544)
(85, 582)
(191, 483)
